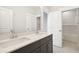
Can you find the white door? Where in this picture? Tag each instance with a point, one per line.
(55, 27)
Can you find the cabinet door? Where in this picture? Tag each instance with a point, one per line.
(44, 48)
(37, 50)
(50, 47)
(47, 47)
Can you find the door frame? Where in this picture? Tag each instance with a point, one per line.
(62, 18)
(42, 10)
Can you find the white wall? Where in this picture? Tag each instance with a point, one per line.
(49, 9)
(45, 17)
(31, 14)
(18, 18)
(5, 20)
(34, 10)
(20, 14)
(30, 23)
(71, 25)
(69, 17)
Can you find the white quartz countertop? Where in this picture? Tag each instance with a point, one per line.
(13, 44)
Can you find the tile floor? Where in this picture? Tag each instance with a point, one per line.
(68, 47)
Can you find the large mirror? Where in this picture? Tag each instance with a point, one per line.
(19, 19)
(6, 22)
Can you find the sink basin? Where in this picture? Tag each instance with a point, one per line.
(24, 38)
(12, 42)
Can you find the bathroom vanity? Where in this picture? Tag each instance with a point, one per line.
(25, 36)
(44, 45)
(32, 43)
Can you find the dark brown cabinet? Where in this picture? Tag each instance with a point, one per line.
(44, 45)
(38, 50)
(49, 47)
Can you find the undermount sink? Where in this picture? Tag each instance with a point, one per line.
(12, 42)
(24, 38)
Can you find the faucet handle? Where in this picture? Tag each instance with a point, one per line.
(12, 31)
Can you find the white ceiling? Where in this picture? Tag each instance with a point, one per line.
(36, 9)
(58, 8)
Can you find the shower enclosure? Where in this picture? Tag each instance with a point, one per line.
(70, 25)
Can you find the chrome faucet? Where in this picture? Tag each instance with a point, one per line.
(12, 34)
